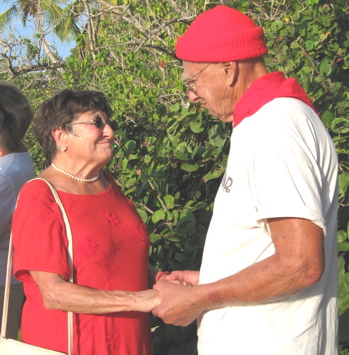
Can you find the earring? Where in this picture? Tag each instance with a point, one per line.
(62, 148)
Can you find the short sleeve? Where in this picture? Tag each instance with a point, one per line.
(286, 177)
(39, 237)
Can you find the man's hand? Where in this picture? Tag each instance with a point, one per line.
(297, 263)
(185, 278)
(178, 305)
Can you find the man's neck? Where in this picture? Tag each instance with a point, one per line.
(250, 70)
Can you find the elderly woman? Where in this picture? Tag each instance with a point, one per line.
(110, 296)
(16, 168)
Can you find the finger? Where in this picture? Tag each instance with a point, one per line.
(177, 282)
(156, 287)
(173, 276)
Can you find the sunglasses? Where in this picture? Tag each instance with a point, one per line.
(98, 122)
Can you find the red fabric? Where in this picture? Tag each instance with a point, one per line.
(266, 89)
(110, 253)
(221, 34)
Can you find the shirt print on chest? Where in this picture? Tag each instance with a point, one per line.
(227, 183)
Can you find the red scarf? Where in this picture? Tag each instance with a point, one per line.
(266, 89)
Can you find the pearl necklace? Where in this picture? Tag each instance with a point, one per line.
(75, 177)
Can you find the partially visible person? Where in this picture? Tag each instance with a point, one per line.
(268, 279)
(16, 168)
(110, 296)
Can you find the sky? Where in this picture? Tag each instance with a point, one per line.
(62, 48)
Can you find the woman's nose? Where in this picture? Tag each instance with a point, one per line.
(107, 130)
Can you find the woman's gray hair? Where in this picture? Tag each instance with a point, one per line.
(15, 115)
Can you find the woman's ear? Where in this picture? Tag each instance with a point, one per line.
(231, 72)
(60, 136)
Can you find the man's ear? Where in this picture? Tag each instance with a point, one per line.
(231, 72)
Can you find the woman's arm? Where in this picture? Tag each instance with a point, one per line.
(59, 294)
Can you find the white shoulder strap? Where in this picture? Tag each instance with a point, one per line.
(71, 279)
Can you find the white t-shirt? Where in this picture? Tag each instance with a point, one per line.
(282, 163)
(15, 170)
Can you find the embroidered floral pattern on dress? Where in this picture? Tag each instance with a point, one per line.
(110, 218)
(111, 343)
(108, 260)
(95, 242)
(113, 340)
(88, 248)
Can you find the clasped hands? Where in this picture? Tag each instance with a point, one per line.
(179, 303)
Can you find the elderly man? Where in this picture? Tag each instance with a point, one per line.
(268, 279)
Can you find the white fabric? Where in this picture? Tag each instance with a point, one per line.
(15, 170)
(282, 163)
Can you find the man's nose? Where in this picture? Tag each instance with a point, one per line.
(192, 96)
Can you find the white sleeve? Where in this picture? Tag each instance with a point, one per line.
(286, 177)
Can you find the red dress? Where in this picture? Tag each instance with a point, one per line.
(111, 247)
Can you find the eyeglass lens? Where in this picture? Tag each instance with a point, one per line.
(191, 82)
(99, 123)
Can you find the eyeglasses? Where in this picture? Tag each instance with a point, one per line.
(190, 83)
(98, 122)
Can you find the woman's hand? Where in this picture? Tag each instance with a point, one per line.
(146, 301)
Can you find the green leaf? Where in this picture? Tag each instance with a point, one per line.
(309, 45)
(325, 68)
(327, 118)
(130, 146)
(343, 246)
(196, 127)
(343, 293)
(154, 237)
(169, 201)
(341, 265)
(182, 156)
(213, 174)
(158, 216)
(186, 225)
(190, 167)
(143, 215)
(343, 182)
(276, 25)
(341, 236)
(340, 124)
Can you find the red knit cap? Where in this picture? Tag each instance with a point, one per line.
(221, 34)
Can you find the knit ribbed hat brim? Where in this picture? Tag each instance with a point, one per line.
(221, 34)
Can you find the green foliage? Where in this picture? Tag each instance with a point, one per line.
(171, 155)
